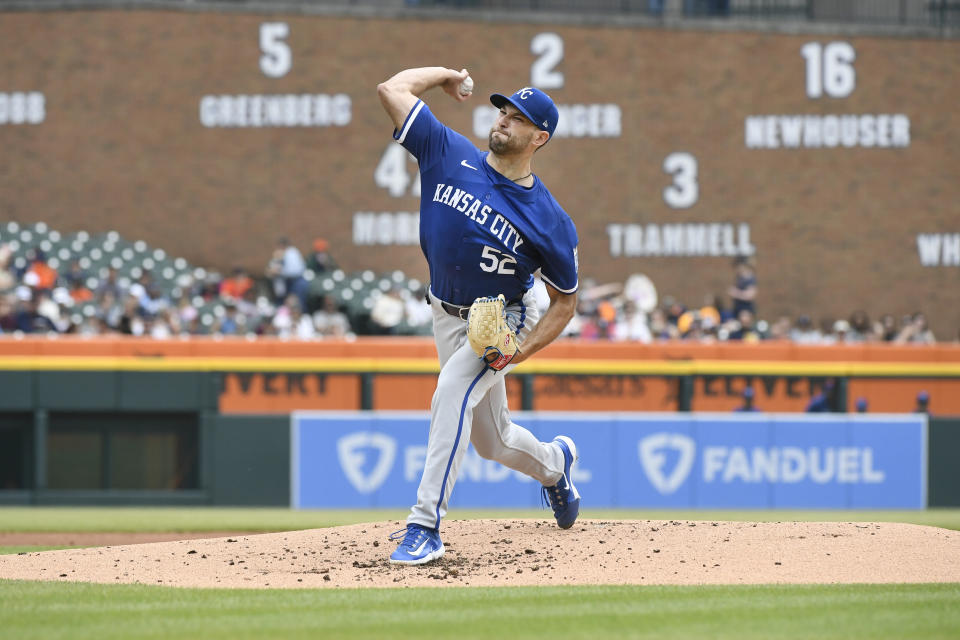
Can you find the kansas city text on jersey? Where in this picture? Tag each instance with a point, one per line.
(470, 206)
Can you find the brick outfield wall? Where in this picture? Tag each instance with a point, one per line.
(122, 146)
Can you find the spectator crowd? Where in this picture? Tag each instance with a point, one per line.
(35, 297)
(633, 313)
(309, 297)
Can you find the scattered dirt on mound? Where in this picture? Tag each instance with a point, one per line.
(524, 552)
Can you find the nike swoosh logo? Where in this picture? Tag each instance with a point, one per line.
(464, 163)
(419, 549)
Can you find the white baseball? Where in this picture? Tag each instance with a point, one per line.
(466, 87)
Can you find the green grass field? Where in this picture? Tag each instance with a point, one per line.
(44, 610)
(69, 610)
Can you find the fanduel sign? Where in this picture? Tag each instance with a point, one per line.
(630, 460)
(755, 465)
(772, 461)
(790, 465)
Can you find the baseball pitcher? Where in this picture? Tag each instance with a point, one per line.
(487, 224)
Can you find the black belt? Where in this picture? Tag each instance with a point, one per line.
(462, 312)
(455, 310)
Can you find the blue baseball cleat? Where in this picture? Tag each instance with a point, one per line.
(563, 496)
(420, 545)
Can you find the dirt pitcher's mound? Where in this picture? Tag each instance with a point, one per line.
(524, 552)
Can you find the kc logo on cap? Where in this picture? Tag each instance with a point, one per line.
(536, 105)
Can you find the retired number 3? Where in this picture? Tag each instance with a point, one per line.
(499, 262)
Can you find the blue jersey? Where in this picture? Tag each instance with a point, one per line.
(482, 233)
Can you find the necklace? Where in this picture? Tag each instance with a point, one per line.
(523, 178)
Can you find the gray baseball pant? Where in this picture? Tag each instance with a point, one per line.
(470, 405)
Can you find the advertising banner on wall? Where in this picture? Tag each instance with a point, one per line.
(713, 461)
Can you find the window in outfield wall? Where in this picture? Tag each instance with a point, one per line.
(132, 451)
(75, 459)
(156, 460)
(15, 448)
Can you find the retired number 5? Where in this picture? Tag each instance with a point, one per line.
(499, 262)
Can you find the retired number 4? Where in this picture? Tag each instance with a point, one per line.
(499, 262)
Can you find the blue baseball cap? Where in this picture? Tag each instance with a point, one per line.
(533, 103)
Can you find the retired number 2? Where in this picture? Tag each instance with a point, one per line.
(499, 262)
(543, 71)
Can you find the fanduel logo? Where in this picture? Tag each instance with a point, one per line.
(653, 458)
(791, 465)
(350, 451)
(753, 465)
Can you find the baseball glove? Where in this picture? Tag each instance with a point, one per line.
(488, 333)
